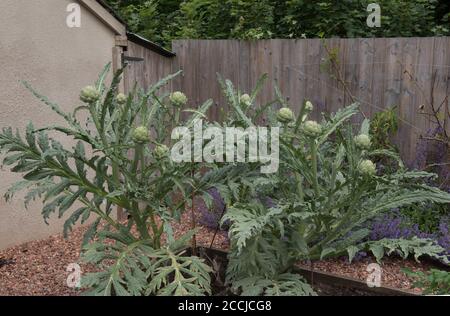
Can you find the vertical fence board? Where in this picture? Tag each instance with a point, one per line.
(312, 71)
(447, 99)
(440, 73)
(351, 70)
(244, 70)
(408, 98)
(378, 74)
(364, 87)
(423, 80)
(325, 75)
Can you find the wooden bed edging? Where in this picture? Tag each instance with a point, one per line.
(337, 280)
(340, 280)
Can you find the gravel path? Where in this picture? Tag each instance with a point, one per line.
(39, 267)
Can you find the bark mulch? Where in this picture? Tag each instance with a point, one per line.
(391, 270)
(39, 267)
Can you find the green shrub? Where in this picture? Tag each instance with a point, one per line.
(383, 127)
(426, 216)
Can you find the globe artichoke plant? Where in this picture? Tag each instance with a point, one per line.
(119, 160)
(325, 191)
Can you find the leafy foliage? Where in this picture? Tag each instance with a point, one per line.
(139, 269)
(404, 247)
(419, 221)
(384, 125)
(162, 21)
(431, 155)
(287, 284)
(434, 282)
(110, 167)
(321, 200)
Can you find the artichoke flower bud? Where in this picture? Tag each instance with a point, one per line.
(246, 100)
(89, 95)
(285, 115)
(312, 128)
(362, 141)
(367, 167)
(178, 98)
(309, 106)
(121, 98)
(140, 135)
(160, 151)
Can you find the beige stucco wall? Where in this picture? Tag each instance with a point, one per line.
(37, 46)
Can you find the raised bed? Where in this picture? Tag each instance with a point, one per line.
(325, 284)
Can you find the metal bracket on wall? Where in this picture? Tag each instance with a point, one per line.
(128, 59)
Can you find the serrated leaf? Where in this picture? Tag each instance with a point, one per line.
(378, 252)
(326, 252)
(352, 251)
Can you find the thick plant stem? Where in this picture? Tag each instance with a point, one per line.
(100, 213)
(156, 231)
(140, 224)
(135, 212)
(177, 116)
(217, 227)
(116, 179)
(193, 220)
(135, 164)
(314, 167)
(141, 158)
(299, 180)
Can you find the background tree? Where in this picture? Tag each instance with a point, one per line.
(164, 20)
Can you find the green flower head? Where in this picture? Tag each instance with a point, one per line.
(160, 151)
(89, 95)
(367, 167)
(246, 100)
(309, 106)
(285, 115)
(312, 128)
(140, 135)
(121, 98)
(362, 141)
(178, 98)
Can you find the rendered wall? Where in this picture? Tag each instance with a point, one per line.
(36, 45)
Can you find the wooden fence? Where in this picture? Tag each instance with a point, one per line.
(377, 72)
(153, 68)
